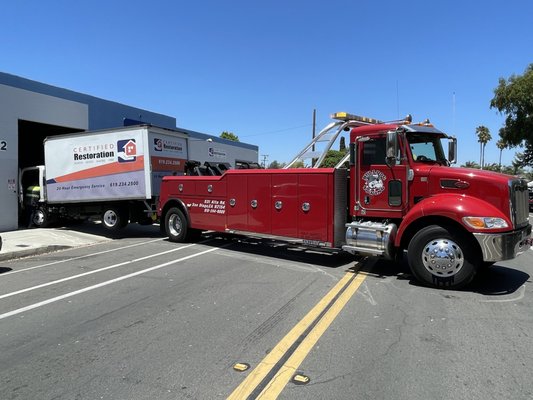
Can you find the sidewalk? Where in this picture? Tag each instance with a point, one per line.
(30, 242)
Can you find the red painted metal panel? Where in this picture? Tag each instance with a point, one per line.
(285, 194)
(211, 188)
(313, 190)
(237, 189)
(206, 203)
(259, 194)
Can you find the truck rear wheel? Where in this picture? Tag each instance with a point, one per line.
(441, 259)
(114, 218)
(176, 225)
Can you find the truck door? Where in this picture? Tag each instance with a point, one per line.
(381, 189)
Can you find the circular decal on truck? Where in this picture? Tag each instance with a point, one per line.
(374, 182)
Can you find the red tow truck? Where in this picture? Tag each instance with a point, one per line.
(398, 194)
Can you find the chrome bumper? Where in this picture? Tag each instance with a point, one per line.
(504, 246)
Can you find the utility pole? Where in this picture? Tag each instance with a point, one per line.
(265, 158)
(313, 160)
(314, 126)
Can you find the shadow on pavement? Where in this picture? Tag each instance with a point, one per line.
(130, 231)
(281, 250)
(496, 280)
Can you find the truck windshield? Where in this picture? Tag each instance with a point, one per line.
(426, 147)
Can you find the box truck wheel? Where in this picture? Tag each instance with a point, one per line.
(114, 218)
(442, 259)
(40, 218)
(176, 225)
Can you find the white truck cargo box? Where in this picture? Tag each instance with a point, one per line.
(119, 164)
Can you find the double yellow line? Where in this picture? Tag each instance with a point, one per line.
(273, 373)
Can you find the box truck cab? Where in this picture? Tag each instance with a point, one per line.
(113, 175)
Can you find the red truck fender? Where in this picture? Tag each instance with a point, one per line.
(449, 206)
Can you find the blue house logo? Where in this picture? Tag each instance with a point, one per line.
(127, 150)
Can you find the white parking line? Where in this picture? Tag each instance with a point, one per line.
(102, 284)
(80, 257)
(91, 272)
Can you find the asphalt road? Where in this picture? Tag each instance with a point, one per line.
(143, 318)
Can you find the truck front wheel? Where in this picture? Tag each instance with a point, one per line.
(176, 225)
(114, 218)
(40, 218)
(441, 259)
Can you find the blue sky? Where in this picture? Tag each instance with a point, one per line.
(258, 69)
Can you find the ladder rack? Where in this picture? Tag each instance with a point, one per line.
(329, 136)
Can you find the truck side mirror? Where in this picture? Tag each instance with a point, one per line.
(452, 150)
(352, 153)
(391, 147)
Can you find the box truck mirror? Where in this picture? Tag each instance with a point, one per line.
(452, 150)
(392, 148)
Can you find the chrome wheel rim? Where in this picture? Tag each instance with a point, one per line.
(38, 218)
(442, 257)
(110, 218)
(174, 225)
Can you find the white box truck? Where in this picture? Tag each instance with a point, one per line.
(113, 175)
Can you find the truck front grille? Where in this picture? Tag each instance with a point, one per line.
(519, 202)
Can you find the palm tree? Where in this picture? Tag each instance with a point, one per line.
(500, 144)
(470, 164)
(483, 137)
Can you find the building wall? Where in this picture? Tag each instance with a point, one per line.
(204, 147)
(22, 104)
(103, 114)
(219, 152)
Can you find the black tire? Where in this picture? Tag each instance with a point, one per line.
(40, 218)
(114, 218)
(439, 258)
(176, 225)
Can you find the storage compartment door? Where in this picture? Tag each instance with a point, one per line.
(313, 198)
(237, 202)
(259, 203)
(284, 207)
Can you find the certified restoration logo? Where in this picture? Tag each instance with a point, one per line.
(127, 150)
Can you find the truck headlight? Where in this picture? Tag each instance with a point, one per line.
(485, 222)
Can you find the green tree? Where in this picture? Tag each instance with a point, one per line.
(229, 136)
(492, 167)
(483, 137)
(276, 165)
(518, 163)
(507, 169)
(470, 164)
(332, 158)
(298, 164)
(514, 98)
(342, 144)
(529, 175)
(501, 145)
